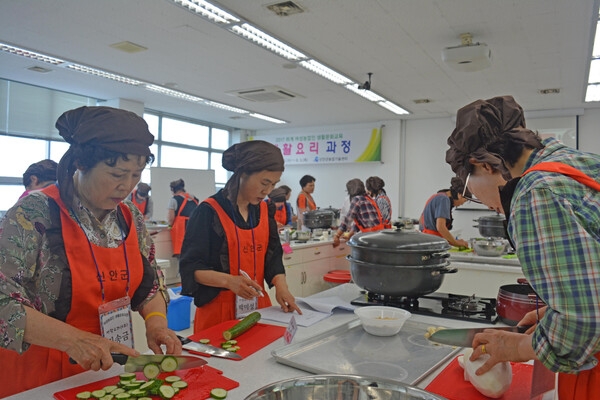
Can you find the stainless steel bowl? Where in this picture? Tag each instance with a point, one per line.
(489, 247)
(340, 387)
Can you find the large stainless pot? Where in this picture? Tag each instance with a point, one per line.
(318, 219)
(399, 262)
(491, 226)
(340, 387)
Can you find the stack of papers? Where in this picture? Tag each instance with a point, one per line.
(313, 310)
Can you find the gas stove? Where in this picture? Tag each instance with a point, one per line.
(443, 305)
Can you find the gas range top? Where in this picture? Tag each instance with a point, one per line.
(443, 305)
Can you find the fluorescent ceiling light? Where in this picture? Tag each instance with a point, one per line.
(7, 48)
(325, 72)
(267, 41)
(104, 74)
(592, 92)
(173, 93)
(225, 107)
(392, 107)
(367, 94)
(270, 119)
(208, 11)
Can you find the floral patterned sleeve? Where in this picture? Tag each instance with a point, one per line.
(23, 261)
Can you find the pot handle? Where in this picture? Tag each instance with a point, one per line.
(440, 255)
(522, 281)
(446, 270)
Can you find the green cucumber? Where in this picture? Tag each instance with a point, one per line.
(248, 322)
(172, 378)
(204, 341)
(151, 370)
(218, 393)
(169, 364)
(166, 392)
(97, 394)
(83, 395)
(180, 384)
(109, 389)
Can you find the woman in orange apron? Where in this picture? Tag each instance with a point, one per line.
(436, 218)
(551, 197)
(282, 213)
(79, 260)
(234, 232)
(305, 201)
(181, 206)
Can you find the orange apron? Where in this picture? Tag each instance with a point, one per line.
(281, 215)
(377, 227)
(248, 254)
(422, 220)
(585, 384)
(310, 204)
(179, 224)
(41, 365)
(141, 206)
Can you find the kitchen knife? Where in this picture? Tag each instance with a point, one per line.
(464, 337)
(211, 350)
(197, 347)
(136, 364)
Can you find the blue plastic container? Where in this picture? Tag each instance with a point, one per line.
(178, 312)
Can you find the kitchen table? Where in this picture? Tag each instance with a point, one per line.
(258, 369)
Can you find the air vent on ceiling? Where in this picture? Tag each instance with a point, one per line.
(267, 94)
(286, 8)
(128, 47)
(39, 69)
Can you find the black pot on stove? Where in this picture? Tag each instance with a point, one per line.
(397, 262)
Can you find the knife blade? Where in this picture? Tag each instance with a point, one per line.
(464, 337)
(136, 364)
(211, 350)
(198, 347)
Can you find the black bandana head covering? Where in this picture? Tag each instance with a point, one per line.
(278, 195)
(143, 189)
(113, 129)
(249, 157)
(483, 123)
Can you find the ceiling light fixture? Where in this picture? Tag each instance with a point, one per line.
(267, 118)
(207, 10)
(104, 74)
(7, 48)
(593, 84)
(238, 26)
(267, 41)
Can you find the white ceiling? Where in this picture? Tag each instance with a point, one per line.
(536, 44)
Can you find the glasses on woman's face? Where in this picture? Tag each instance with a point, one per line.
(465, 191)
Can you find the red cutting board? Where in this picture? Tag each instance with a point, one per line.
(254, 339)
(450, 383)
(201, 380)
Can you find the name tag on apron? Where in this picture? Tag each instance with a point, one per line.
(244, 307)
(115, 321)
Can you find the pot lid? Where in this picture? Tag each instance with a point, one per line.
(319, 213)
(399, 240)
(492, 218)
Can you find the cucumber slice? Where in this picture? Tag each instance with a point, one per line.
(117, 391)
(109, 389)
(151, 370)
(169, 364)
(166, 392)
(97, 394)
(138, 393)
(218, 393)
(172, 378)
(204, 341)
(122, 396)
(108, 397)
(232, 342)
(127, 376)
(180, 384)
(83, 395)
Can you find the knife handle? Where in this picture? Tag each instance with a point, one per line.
(523, 328)
(117, 357)
(184, 340)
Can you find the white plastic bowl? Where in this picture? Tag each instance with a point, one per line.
(382, 320)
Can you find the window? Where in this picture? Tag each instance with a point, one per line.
(27, 137)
